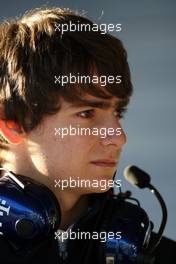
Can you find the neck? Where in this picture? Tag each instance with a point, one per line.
(72, 208)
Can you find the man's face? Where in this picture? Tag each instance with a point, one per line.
(83, 157)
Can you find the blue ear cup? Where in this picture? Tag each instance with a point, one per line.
(28, 209)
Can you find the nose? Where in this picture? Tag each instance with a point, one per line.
(115, 136)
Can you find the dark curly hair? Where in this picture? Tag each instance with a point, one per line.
(32, 52)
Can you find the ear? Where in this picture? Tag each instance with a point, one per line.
(11, 131)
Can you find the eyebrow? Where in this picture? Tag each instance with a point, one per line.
(99, 104)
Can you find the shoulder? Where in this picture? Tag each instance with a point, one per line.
(165, 251)
(45, 252)
(7, 254)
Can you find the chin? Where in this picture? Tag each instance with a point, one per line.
(100, 189)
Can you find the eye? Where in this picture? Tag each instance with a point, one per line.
(86, 113)
(119, 113)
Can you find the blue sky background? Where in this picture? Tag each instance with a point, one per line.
(149, 35)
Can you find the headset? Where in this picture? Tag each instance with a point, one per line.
(29, 211)
(136, 245)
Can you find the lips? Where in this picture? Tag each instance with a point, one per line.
(104, 163)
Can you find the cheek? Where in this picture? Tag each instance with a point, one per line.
(72, 147)
(70, 157)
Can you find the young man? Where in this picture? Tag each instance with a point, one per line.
(44, 113)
